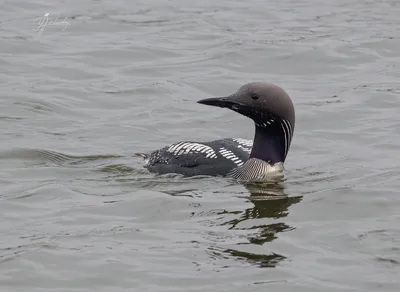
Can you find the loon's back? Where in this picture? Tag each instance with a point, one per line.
(217, 157)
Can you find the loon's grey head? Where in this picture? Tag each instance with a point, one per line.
(272, 111)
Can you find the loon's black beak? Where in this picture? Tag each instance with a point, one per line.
(224, 102)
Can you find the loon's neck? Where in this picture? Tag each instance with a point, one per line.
(267, 144)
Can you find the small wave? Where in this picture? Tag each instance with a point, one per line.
(51, 156)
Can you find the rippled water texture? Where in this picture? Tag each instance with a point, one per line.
(79, 213)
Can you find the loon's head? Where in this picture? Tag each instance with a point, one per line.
(272, 111)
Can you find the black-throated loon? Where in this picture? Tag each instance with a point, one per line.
(272, 111)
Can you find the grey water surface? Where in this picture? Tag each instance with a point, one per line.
(87, 84)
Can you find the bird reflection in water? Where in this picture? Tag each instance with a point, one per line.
(270, 201)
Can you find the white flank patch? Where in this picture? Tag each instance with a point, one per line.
(244, 144)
